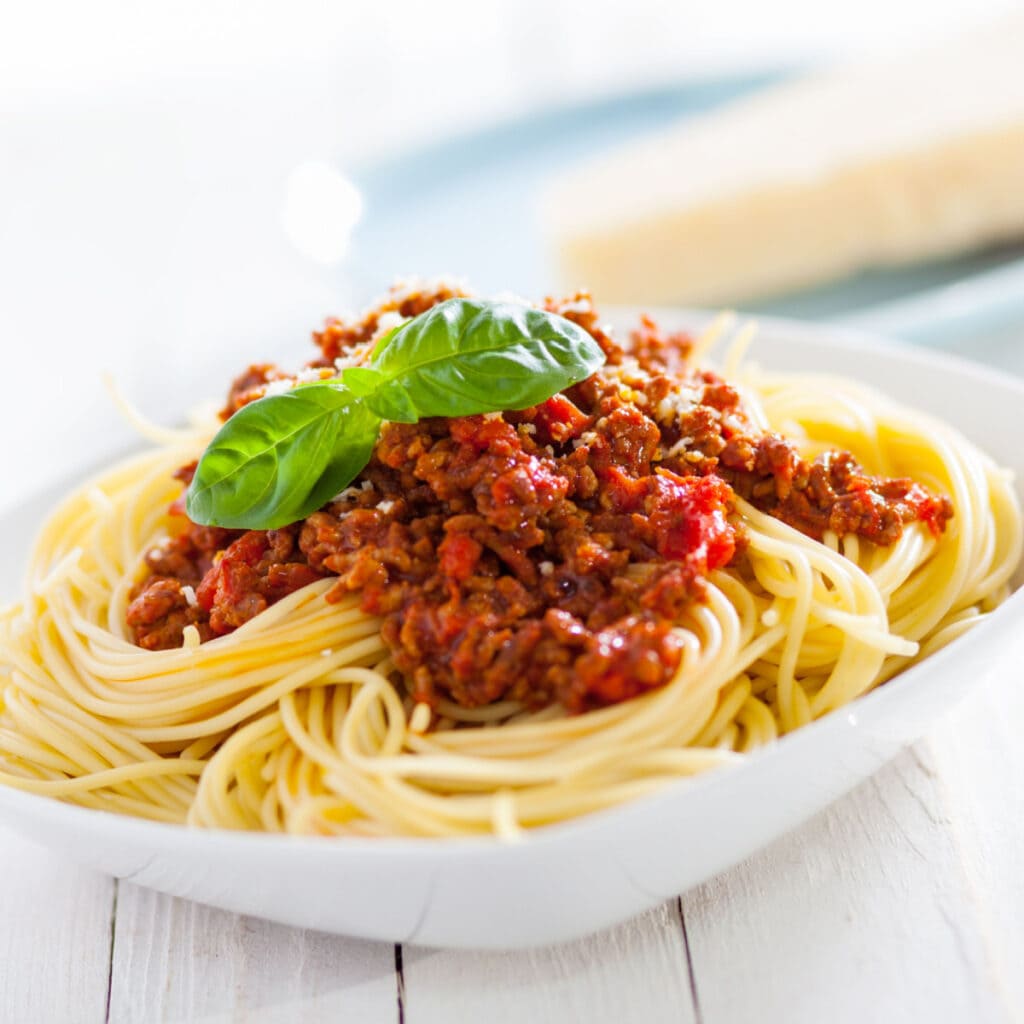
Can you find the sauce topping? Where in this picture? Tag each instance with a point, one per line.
(541, 556)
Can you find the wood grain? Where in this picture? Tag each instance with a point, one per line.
(979, 760)
(179, 961)
(863, 914)
(635, 972)
(55, 922)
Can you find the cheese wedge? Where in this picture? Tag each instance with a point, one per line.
(868, 165)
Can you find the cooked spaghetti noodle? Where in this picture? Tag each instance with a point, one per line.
(296, 721)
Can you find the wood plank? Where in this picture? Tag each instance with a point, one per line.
(635, 972)
(55, 922)
(179, 961)
(862, 914)
(980, 761)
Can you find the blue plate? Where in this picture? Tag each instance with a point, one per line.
(468, 206)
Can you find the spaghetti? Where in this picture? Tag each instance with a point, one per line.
(297, 720)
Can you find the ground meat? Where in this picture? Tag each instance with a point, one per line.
(498, 579)
(539, 556)
(249, 386)
(160, 612)
(832, 493)
(658, 351)
(340, 337)
(233, 576)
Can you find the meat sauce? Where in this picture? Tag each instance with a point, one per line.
(540, 556)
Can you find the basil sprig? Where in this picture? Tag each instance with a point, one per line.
(282, 457)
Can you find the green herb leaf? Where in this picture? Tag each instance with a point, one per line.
(468, 356)
(361, 380)
(280, 458)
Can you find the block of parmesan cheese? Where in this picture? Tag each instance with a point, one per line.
(868, 165)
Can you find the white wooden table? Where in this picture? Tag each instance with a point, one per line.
(903, 902)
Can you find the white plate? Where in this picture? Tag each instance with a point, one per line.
(570, 879)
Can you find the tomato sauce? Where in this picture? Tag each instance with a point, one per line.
(541, 556)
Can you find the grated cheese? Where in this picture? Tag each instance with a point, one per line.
(352, 491)
(580, 305)
(387, 322)
(280, 387)
(676, 404)
(357, 356)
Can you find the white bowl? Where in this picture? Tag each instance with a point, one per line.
(566, 880)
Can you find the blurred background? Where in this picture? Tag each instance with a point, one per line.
(188, 188)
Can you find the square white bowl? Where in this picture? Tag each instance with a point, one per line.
(566, 880)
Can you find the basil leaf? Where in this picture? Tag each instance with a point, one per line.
(280, 458)
(389, 400)
(468, 356)
(361, 380)
(382, 343)
(393, 402)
